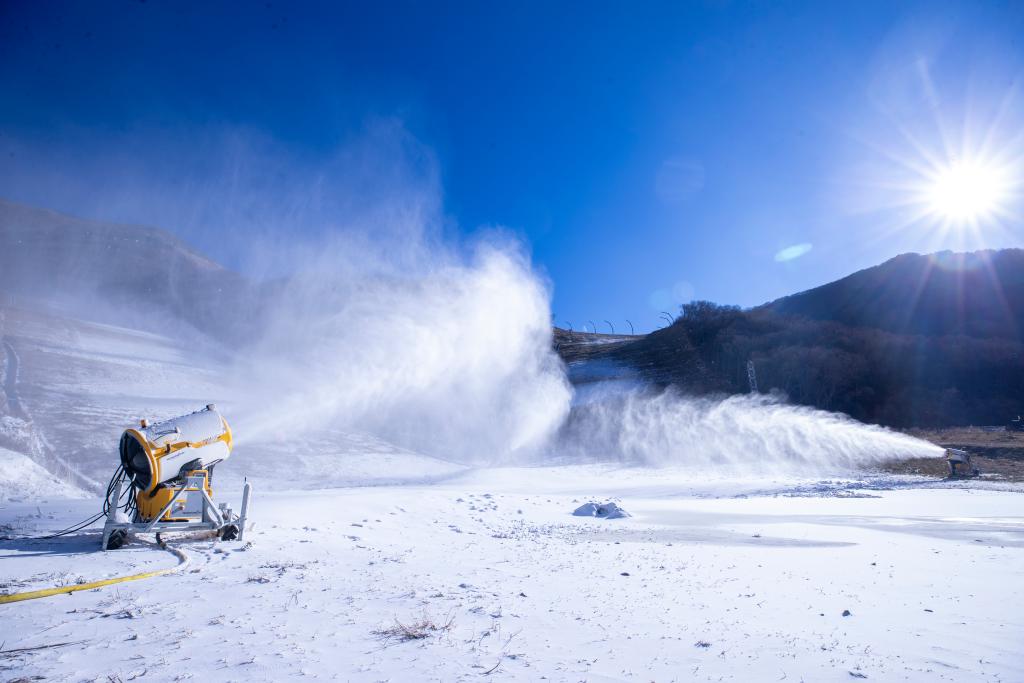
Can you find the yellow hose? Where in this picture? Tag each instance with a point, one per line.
(183, 561)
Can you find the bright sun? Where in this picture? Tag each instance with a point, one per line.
(966, 191)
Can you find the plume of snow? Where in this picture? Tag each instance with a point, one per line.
(753, 434)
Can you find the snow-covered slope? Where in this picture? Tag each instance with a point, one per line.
(72, 385)
(78, 384)
(21, 479)
(147, 271)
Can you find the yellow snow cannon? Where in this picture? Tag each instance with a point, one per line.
(168, 469)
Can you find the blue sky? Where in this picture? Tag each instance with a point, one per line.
(648, 153)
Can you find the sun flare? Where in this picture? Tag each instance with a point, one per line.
(966, 191)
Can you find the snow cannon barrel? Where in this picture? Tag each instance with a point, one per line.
(165, 451)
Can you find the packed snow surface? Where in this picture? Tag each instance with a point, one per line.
(489, 575)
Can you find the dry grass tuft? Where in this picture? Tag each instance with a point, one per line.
(424, 627)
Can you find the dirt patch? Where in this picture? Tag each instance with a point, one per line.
(989, 441)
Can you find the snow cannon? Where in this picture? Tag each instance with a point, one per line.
(164, 481)
(960, 464)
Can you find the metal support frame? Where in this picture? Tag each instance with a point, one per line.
(212, 519)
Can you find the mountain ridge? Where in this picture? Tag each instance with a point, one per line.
(49, 255)
(978, 293)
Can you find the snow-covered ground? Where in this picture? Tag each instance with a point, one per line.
(707, 580)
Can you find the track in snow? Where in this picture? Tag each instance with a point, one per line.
(11, 380)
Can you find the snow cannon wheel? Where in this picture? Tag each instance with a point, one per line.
(117, 539)
(229, 532)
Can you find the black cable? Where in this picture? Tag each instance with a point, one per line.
(129, 506)
(72, 529)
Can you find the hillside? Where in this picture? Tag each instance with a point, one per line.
(978, 294)
(918, 341)
(52, 257)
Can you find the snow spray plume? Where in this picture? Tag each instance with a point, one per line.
(742, 435)
(384, 327)
(372, 321)
(452, 361)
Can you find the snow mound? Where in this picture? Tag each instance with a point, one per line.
(21, 479)
(602, 510)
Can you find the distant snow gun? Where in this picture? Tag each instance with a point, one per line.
(960, 464)
(164, 481)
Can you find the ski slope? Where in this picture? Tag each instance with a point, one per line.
(707, 581)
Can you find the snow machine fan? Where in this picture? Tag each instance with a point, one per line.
(168, 468)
